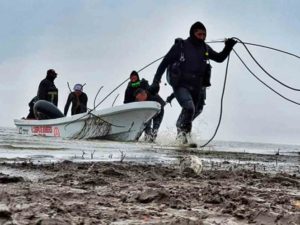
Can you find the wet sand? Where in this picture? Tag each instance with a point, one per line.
(130, 193)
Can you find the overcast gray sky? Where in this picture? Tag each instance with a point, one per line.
(100, 42)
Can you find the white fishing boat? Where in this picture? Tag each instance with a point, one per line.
(120, 123)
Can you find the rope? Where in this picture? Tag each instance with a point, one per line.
(115, 100)
(254, 59)
(274, 49)
(125, 82)
(297, 103)
(221, 107)
(258, 45)
(97, 95)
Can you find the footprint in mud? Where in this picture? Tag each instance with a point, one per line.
(4, 179)
(151, 195)
(94, 182)
(113, 172)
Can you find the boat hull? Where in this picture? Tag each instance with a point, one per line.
(120, 123)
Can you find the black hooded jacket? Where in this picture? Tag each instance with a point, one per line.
(130, 90)
(194, 67)
(47, 90)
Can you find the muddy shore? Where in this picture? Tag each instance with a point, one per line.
(130, 193)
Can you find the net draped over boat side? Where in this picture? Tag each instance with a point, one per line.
(94, 127)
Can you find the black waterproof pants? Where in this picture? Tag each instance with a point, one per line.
(154, 124)
(191, 102)
(201, 102)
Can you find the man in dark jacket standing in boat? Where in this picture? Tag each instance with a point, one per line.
(189, 69)
(47, 89)
(130, 96)
(78, 99)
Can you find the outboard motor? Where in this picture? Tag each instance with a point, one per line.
(44, 110)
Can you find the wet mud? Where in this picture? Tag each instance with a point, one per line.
(130, 193)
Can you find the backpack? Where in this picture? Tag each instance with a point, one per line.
(174, 72)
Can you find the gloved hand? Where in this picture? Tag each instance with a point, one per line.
(230, 42)
(154, 87)
(169, 98)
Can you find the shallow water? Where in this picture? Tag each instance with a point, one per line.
(15, 148)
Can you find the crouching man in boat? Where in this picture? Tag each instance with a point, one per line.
(31, 115)
(140, 90)
(78, 99)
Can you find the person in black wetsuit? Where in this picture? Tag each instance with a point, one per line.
(31, 115)
(191, 58)
(136, 83)
(47, 89)
(78, 99)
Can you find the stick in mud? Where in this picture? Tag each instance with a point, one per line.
(92, 154)
(83, 153)
(123, 155)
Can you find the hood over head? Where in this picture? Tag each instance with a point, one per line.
(196, 26)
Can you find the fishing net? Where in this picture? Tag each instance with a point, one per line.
(94, 127)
